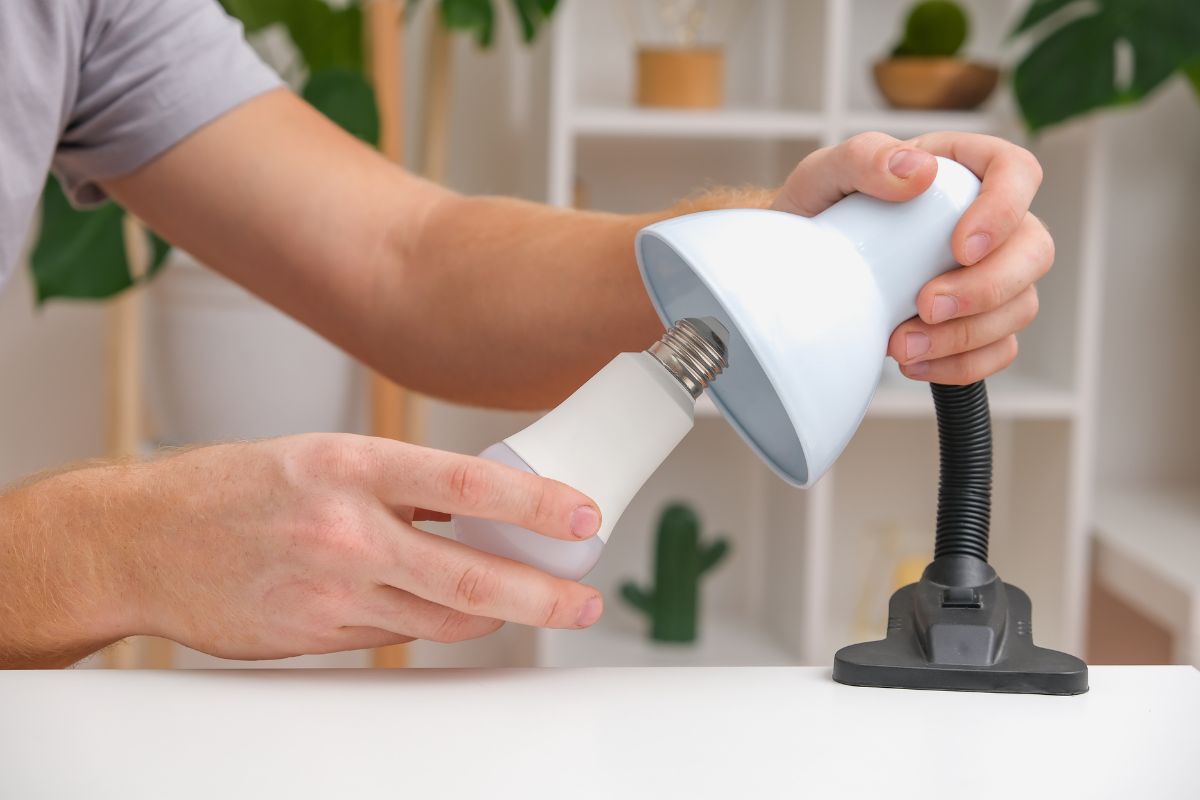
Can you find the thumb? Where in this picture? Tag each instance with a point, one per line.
(872, 163)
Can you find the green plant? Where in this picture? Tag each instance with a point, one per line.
(1072, 65)
(679, 562)
(81, 254)
(933, 28)
(478, 17)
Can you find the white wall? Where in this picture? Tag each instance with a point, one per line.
(51, 381)
(1148, 429)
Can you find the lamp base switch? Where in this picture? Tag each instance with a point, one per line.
(960, 628)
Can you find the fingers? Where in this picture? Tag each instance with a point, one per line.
(915, 340)
(483, 585)
(391, 609)
(966, 367)
(405, 475)
(989, 284)
(1011, 176)
(872, 163)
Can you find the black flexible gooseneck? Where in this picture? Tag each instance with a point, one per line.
(965, 478)
(961, 627)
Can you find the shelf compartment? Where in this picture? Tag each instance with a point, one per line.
(724, 641)
(729, 123)
(1147, 551)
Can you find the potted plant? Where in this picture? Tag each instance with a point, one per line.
(676, 66)
(924, 70)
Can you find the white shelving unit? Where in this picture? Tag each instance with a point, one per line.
(811, 570)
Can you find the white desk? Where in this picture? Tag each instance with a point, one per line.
(611, 733)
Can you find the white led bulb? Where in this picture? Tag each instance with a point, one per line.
(605, 440)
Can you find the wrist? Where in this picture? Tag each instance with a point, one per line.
(69, 541)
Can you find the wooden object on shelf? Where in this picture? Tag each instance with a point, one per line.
(681, 77)
(385, 29)
(943, 84)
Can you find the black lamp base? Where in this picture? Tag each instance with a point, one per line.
(960, 628)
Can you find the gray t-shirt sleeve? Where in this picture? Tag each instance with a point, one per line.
(152, 72)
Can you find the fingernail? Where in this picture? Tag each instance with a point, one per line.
(944, 307)
(977, 245)
(590, 612)
(585, 521)
(904, 163)
(917, 370)
(915, 344)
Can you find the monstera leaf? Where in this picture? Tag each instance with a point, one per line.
(1072, 66)
(347, 99)
(324, 36)
(81, 254)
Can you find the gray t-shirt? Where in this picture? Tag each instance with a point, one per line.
(96, 88)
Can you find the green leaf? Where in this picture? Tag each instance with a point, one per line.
(1071, 69)
(1192, 73)
(257, 14)
(346, 98)
(532, 14)
(79, 254)
(159, 250)
(324, 36)
(474, 16)
(1039, 10)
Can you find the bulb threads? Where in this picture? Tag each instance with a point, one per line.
(693, 351)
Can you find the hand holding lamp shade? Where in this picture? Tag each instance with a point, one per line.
(785, 320)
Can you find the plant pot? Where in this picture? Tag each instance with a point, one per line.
(223, 364)
(935, 83)
(680, 77)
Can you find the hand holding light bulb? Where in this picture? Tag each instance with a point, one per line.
(605, 440)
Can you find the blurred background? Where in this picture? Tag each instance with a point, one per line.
(628, 105)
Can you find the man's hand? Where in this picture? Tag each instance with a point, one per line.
(968, 317)
(276, 548)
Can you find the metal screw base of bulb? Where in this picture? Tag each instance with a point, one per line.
(694, 352)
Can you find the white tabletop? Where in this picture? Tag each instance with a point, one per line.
(612, 733)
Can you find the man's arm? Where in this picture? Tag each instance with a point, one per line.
(483, 300)
(514, 304)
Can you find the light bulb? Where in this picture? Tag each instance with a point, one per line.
(606, 440)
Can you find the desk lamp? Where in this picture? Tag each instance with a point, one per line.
(785, 320)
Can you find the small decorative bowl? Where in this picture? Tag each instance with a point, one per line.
(941, 83)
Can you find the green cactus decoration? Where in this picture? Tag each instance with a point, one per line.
(934, 28)
(679, 562)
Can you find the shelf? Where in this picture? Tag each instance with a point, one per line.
(724, 641)
(747, 123)
(904, 124)
(715, 124)
(1158, 528)
(1010, 395)
(1147, 551)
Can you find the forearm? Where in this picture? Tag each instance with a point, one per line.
(65, 557)
(481, 300)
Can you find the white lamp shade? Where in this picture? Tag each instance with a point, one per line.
(809, 304)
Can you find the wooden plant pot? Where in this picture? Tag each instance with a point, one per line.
(935, 83)
(674, 77)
